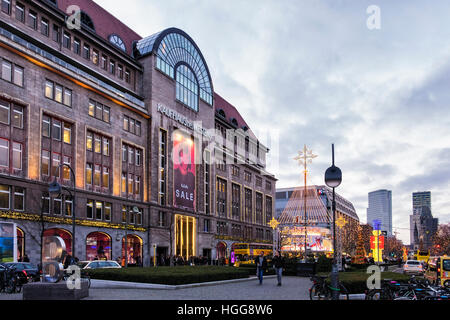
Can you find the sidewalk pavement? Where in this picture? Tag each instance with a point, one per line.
(110, 284)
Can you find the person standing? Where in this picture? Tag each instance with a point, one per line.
(261, 265)
(278, 264)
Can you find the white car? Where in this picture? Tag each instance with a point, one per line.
(413, 266)
(99, 264)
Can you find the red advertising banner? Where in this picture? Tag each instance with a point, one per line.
(184, 192)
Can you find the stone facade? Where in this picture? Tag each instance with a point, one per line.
(131, 91)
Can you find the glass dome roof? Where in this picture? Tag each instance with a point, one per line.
(173, 46)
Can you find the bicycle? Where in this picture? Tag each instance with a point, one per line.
(320, 290)
(11, 281)
(388, 291)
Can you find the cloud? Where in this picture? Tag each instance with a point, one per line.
(312, 73)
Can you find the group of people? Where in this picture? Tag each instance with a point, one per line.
(178, 260)
(261, 266)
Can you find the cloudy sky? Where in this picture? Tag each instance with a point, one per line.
(312, 72)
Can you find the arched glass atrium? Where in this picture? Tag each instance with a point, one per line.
(180, 58)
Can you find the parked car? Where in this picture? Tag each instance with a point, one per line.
(26, 269)
(99, 264)
(413, 266)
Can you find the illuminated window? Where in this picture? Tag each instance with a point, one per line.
(89, 173)
(67, 133)
(89, 141)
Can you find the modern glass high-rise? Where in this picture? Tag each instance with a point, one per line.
(380, 208)
(421, 199)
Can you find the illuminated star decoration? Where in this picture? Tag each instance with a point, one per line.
(305, 157)
(273, 223)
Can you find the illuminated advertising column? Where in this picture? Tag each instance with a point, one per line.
(8, 242)
(184, 191)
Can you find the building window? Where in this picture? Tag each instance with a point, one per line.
(56, 33)
(4, 153)
(104, 62)
(248, 205)
(97, 174)
(161, 219)
(221, 190)
(95, 56)
(127, 76)
(258, 181)
(162, 166)
(67, 41)
(4, 112)
(58, 93)
(67, 133)
(6, 6)
(7, 71)
(86, 52)
(247, 176)
(187, 87)
(107, 211)
(138, 157)
(90, 209)
(268, 209)
(76, 46)
(89, 141)
(259, 208)
(17, 156)
(207, 181)
(268, 186)
(44, 27)
(12, 73)
(112, 67)
(56, 129)
(131, 125)
(206, 225)
(99, 111)
(98, 210)
(17, 118)
(45, 166)
(120, 71)
(235, 201)
(4, 197)
(66, 170)
(105, 177)
(89, 173)
(20, 12)
(235, 171)
(32, 19)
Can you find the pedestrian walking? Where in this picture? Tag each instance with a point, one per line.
(278, 264)
(261, 265)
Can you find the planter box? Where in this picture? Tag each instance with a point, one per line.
(306, 269)
(54, 291)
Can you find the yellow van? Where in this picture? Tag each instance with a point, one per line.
(438, 270)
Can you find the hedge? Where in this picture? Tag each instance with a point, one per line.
(170, 275)
(251, 269)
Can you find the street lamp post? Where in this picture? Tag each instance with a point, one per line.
(333, 178)
(55, 190)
